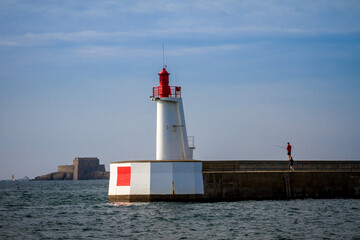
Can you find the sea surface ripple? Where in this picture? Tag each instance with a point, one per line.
(80, 210)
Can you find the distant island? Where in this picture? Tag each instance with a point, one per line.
(82, 169)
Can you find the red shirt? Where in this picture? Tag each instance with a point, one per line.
(288, 148)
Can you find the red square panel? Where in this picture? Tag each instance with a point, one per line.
(123, 177)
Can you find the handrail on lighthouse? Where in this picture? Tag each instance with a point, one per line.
(175, 91)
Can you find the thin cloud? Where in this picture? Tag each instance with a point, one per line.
(205, 49)
(119, 52)
(114, 52)
(31, 39)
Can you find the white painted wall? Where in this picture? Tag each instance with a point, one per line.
(161, 178)
(113, 189)
(171, 135)
(158, 177)
(187, 151)
(184, 177)
(140, 178)
(199, 184)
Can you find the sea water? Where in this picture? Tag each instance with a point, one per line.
(80, 210)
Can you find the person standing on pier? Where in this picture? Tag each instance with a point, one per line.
(288, 148)
(291, 164)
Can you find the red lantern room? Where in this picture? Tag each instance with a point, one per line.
(164, 90)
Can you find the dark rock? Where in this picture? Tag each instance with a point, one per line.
(56, 176)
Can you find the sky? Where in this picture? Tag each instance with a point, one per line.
(76, 77)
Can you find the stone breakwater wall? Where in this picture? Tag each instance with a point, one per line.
(279, 165)
(259, 180)
(267, 180)
(280, 185)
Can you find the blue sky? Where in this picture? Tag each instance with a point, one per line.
(76, 76)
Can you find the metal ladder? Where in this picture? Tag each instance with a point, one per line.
(287, 185)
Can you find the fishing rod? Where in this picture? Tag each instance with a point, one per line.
(278, 146)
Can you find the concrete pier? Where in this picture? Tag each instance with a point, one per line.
(261, 180)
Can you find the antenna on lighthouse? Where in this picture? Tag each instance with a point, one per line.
(163, 56)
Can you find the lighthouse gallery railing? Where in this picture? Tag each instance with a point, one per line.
(175, 91)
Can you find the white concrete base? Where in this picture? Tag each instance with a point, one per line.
(156, 178)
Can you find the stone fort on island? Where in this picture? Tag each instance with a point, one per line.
(82, 169)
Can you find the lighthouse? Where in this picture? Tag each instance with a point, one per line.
(173, 175)
(172, 142)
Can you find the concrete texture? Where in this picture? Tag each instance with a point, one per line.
(242, 180)
(156, 198)
(280, 185)
(274, 165)
(260, 180)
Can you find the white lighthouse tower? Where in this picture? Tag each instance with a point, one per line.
(174, 175)
(171, 137)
